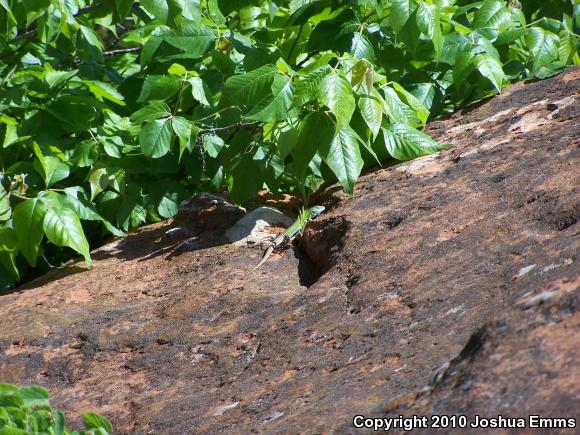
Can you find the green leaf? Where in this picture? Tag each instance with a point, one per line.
(361, 48)
(212, 144)
(56, 78)
(401, 10)
(464, 65)
(59, 423)
(167, 194)
(101, 178)
(5, 210)
(155, 138)
(9, 389)
(89, 44)
(335, 92)
(192, 43)
(62, 227)
(183, 129)
(197, 90)
(77, 201)
(8, 120)
(111, 144)
(303, 13)
(428, 23)
(245, 181)
(12, 400)
(412, 102)
(177, 70)
(123, 7)
(358, 72)
(103, 90)
(55, 170)
(543, 45)
(50, 167)
(275, 107)
(317, 131)
(28, 218)
(8, 251)
(343, 157)
(159, 88)
(34, 395)
(371, 109)
(8, 9)
(490, 68)
(13, 431)
(335, 34)
(76, 113)
(52, 199)
(454, 44)
(492, 14)
(11, 136)
(154, 110)
(567, 49)
(132, 212)
(510, 35)
(192, 11)
(308, 84)
(95, 421)
(397, 110)
(405, 143)
(158, 8)
(84, 154)
(250, 88)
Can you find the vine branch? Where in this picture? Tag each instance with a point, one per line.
(241, 124)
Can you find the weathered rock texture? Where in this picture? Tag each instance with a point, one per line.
(446, 285)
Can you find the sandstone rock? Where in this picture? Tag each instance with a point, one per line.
(407, 299)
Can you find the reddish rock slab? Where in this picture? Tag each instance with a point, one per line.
(447, 285)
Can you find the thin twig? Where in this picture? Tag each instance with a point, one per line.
(228, 127)
(294, 43)
(122, 51)
(308, 57)
(24, 35)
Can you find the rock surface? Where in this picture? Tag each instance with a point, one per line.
(447, 285)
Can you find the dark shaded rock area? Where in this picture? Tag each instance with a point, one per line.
(447, 285)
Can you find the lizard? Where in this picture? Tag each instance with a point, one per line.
(304, 216)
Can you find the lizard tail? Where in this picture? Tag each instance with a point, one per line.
(265, 257)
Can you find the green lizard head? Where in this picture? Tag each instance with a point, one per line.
(316, 210)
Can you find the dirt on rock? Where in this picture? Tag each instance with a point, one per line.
(446, 285)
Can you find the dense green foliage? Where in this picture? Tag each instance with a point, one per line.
(27, 410)
(113, 111)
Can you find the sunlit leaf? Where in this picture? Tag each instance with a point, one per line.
(275, 107)
(8, 252)
(490, 68)
(155, 138)
(342, 155)
(543, 45)
(371, 109)
(317, 131)
(197, 90)
(247, 90)
(154, 110)
(28, 218)
(183, 129)
(5, 210)
(103, 90)
(335, 92)
(404, 142)
(62, 227)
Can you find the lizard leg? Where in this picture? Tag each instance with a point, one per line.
(266, 242)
